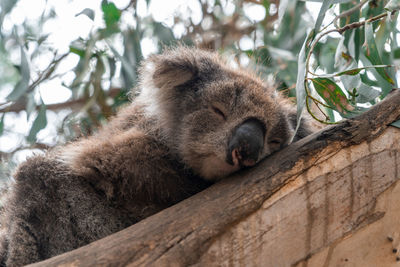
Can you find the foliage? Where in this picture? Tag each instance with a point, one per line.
(338, 66)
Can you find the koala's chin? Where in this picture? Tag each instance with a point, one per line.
(195, 121)
(214, 169)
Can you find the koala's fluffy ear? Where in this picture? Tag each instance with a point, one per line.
(172, 68)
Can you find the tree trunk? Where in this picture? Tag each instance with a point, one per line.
(331, 199)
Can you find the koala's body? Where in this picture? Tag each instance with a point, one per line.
(195, 121)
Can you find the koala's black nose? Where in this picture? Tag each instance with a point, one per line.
(246, 143)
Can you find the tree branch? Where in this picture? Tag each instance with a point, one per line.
(73, 104)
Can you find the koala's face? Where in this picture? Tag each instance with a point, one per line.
(217, 119)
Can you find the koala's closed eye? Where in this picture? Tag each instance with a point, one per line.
(275, 141)
(219, 112)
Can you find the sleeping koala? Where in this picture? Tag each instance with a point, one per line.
(195, 121)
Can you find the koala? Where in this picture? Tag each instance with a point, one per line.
(195, 121)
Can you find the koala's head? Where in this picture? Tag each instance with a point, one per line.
(217, 119)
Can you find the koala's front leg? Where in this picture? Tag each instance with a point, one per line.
(22, 245)
(131, 166)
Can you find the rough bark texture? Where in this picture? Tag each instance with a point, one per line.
(330, 199)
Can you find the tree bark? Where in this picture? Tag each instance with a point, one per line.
(310, 204)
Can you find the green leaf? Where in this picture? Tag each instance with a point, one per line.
(372, 54)
(283, 5)
(75, 50)
(333, 95)
(379, 81)
(39, 123)
(353, 72)
(365, 79)
(349, 81)
(396, 53)
(366, 94)
(88, 12)
(382, 35)
(2, 124)
(266, 4)
(7, 5)
(111, 14)
(396, 124)
(22, 86)
(30, 104)
(164, 34)
(321, 14)
(112, 66)
(393, 5)
(300, 88)
(128, 68)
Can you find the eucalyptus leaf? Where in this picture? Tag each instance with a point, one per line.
(88, 12)
(39, 123)
(371, 52)
(111, 14)
(341, 49)
(2, 123)
(6, 6)
(365, 79)
(77, 51)
(396, 53)
(30, 105)
(125, 64)
(353, 71)
(283, 5)
(396, 124)
(300, 88)
(112, 66)
(333, 95)
(393, 5)
(379, 80)
(366, 94)
(164, 34)
(350, 82)
(321, 15)
(22, 86)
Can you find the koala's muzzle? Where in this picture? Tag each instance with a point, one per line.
(246, 143)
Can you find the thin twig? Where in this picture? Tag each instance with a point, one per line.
(19, 106)
(348, 12)
(47, 72)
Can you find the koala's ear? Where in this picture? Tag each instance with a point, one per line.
(171, 68)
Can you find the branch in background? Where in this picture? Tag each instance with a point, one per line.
(72, 104)
(348, 12)
(41, 146)
(132, 3)
(45, 75)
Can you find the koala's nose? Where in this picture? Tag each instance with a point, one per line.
(246, 143)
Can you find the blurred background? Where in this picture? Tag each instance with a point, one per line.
(66, 66)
